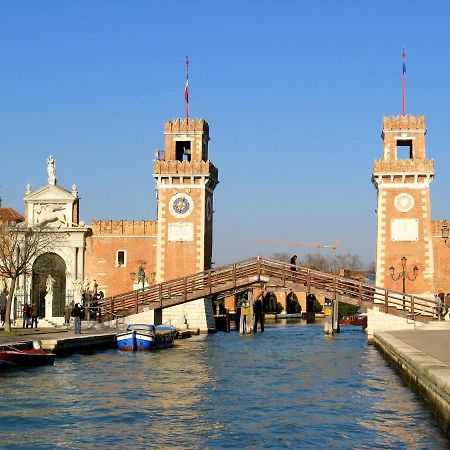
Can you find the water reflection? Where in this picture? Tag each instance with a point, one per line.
(288, 387)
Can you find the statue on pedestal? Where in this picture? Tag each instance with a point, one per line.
(78, 290)
(51, 170)
(49, 284)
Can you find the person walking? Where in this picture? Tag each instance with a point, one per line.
(293, 263)
(3, 315)
(77, 314)
(26, 314)
(258, 311)
(67, 314)
(34, 315)
(438, 306)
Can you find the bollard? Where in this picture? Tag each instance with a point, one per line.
(328, 311)
(336, 327)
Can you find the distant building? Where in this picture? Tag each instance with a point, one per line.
(9, 215)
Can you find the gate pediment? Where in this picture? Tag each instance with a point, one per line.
(51, 206)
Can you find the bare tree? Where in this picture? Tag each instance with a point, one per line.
(285, 257)
(19, 246)
(316, 261)
(346, 261)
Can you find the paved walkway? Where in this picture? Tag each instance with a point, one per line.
(435, 343)
(47, 333)
(422, 357)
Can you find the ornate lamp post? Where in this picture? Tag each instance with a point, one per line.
(403, 275)
(445, 233)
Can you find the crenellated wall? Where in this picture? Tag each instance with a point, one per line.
(124, 227)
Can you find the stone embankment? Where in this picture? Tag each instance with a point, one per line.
(66, 341)
(422, 358)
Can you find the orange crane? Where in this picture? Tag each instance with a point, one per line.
(317, 245)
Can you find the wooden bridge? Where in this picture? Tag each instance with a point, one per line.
(271, 274)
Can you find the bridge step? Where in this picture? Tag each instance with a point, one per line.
(438, 325)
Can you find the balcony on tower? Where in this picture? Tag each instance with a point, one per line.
(404, 156)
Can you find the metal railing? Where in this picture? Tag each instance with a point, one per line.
(272, 272)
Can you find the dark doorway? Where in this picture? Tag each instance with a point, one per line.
(53, 264)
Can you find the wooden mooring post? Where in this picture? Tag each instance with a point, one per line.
(331, 308)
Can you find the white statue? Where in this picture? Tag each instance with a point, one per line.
(51, 170)
(29, 187)
(50, 214)
(93, 287)
(49, 285)
(78, 288)
(85, 286)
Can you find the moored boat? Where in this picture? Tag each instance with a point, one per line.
(11, 357)
(138, 337)
(359, 320)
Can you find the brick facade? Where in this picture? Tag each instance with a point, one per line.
(404, 225)
(137, 239)
(179, 242)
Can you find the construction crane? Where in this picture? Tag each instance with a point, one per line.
(317, 245)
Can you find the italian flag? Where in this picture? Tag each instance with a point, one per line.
(186, 88)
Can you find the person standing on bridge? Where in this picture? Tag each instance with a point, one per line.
(293, 263)
(258, 311)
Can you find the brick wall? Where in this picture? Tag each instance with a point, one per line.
(136, 238)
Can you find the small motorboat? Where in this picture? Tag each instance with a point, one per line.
(359, 320)
(139, 337)
(11, 357)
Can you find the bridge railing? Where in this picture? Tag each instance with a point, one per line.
(257, 270)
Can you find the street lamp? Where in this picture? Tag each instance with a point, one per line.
(445, 233)
(403, 275)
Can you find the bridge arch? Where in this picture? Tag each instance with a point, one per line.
(292, 304)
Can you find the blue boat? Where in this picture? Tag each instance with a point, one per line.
(138, 337)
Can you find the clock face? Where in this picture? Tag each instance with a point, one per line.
(181, 205)
(404, 202)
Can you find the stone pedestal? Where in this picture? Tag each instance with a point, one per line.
(49, 306)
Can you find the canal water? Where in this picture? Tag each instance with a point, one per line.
(290, 387)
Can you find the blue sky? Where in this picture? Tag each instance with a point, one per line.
(294, 92)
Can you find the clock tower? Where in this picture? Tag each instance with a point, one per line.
(185, 183)
(402, 179)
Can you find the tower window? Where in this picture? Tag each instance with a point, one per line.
(183, 150)
(121, 260)
(404, 149)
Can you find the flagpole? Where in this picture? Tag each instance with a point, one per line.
(403, 80)
(186, 89)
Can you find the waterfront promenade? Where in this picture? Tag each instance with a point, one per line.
(423, 360)
(60, 340)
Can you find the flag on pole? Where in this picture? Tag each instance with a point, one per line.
(186, 88)
(403, 80)
(404, 63)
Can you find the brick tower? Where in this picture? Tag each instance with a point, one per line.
(402, 180)
(185, 182)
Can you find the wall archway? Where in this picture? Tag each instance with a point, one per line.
(45, 264)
